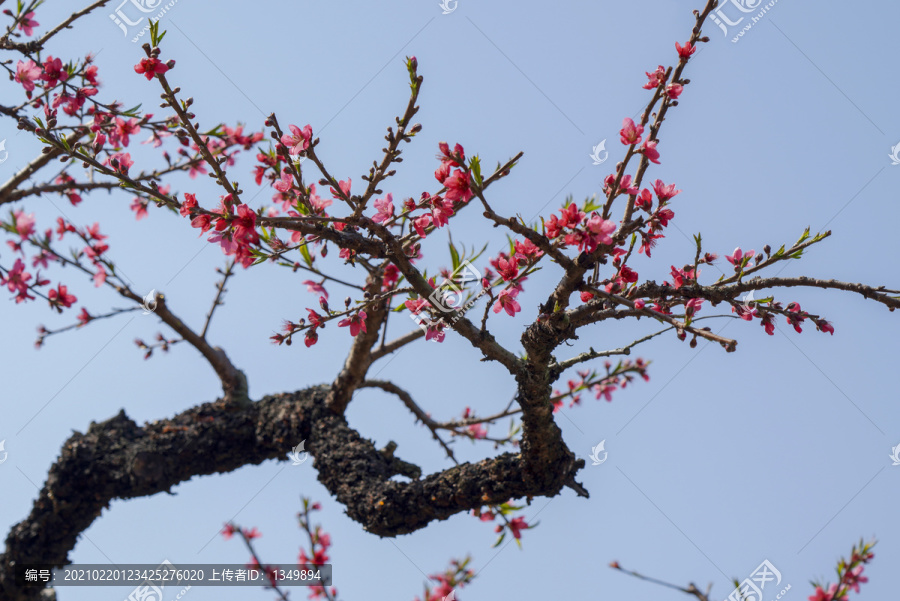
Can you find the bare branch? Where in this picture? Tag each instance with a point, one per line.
(412, 406)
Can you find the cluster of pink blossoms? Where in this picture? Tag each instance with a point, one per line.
(19, 282)
(601, 384)
(850, 575)
(234, 226)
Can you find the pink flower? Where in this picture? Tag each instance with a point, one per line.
(649, 150)
(150, 67)
(679, 276)
(228, 531)
(345, 188)
(385, 208)
(625, 185)
(286, 182)
(41, 258)
(421, 223)
(554, 227)
(644, 200)
(745, 312)
(416, 305)
(27, 73)
(244, 225)
(516, 525)
(99, 276)
(298, 140)
(601, 229)
(54, 71)
(506, 301)
(527, 251)
(639, 304)
(121, 162)
(435, 333)
(457, 157)
(458, 186)
(315, 320)
(442, 172)
(507, 268)
(319, 204)
(664, 215)
(190, 201)
(571, 216)
(196, 168)
(204, 222)
(16, 280)
(673, 90)
(824, 326)
(90, 74)
(357, 323)
(441, 210)
(655, 78)
(251, 534)
(685, 51)
(60, 296)
(477, 430)
(854, 576)
(312, 286)
(630, 133)
(27, 24)
(693, 305)
(139, 206)
(664, 192)
(737, 257)
(24, 223)
(84, 317)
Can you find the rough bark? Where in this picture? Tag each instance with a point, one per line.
(118, 459)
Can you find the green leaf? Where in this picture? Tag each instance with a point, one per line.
(475, 167)
(454, 254)
(307, 258)
(132, 112)
(155, 37)
(591, 205)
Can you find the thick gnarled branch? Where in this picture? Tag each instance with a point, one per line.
(117, 459)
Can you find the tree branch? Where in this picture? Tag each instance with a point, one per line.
(117, 459)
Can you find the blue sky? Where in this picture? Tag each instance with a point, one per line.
(779, 451)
